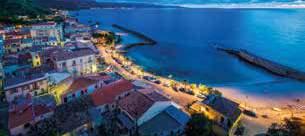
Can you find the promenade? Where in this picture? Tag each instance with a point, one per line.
(266, 113)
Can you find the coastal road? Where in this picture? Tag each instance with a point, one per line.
(180, 98)
(253, 125)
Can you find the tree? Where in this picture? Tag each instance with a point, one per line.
(199, 125)
(289, 127)
(102, 131)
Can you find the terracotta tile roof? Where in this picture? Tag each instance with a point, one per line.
(107, 94)
(135, 104)
(84, 82)
(25, 114)
(21, 116)
(81, 83)
(41, 109)
(100, 77)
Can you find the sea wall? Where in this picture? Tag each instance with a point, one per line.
(146, 39)
(273, 67)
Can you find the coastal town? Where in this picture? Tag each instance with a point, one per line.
(63, 77)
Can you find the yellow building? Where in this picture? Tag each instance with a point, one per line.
(36, 61)
(224, 112)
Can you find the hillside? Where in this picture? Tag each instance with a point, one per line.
(85, 4)
(11, 9)
(66, 4)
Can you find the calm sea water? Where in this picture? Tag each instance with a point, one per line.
(185, 38)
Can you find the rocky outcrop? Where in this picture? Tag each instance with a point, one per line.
(273, 67)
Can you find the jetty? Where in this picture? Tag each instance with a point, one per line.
(146, 40)
(273, 67)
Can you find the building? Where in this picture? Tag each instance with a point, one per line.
(47, 33)
(223, 111)
(84, 86)
(104, 98)
(75, 61)
(22, 116)
(152, 113)
(73, 28)
(21, 86)
(1, 46)
(36, 61)
(1, 79)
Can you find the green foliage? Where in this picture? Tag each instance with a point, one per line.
(290, 127)
(110, 37)
(3, 132)
(198, 125)
(11, 9)
(203, 88)
(214, 91)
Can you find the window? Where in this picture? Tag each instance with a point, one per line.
(64, 64)
(90, 59)
(73, 62)
(229, 123)
(222, 119)
(65, 99)
(81, 60)
(38, 63)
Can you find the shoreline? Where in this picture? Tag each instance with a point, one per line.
(267, 113)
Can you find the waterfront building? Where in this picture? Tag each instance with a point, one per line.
(153, 113)
(73, 28)
(49, 33)
(224, 112)
(25, 85)
(78, 61)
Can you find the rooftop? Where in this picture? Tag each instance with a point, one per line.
(45, 24)
(69, 54)
(224, 106)
(22, 80)
(107, 94)
(26, 113)
(135, 104)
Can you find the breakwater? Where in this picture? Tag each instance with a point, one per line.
(273, 67)
(146, 40)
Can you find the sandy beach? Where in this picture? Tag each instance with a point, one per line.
(275, 109)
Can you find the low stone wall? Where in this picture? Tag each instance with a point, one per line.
(273, 67)
(146, 39)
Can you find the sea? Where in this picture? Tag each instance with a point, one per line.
(186, 39)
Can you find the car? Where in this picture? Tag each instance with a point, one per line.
(250, 113)
(202, 96)
(182, 89)
(157, 81)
